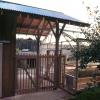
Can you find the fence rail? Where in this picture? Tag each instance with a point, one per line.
(26, 76)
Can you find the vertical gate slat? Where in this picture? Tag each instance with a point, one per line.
(48, 66)
(26, 81)
(31, 71)
(46, 73)
(42, 70)
(23, 78)
(20, 78)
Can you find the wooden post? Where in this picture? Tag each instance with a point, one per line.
(57, 35)
(77, 58)
(39, 33)
(8, 33)
(47, 66)
(56, 65)
(37, 62)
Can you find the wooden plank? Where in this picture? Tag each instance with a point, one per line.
(7, 33)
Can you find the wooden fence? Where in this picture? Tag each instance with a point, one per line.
(26, 73)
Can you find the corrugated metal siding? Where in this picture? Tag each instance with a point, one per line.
(34, 10)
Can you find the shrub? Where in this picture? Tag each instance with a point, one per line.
(90, 94)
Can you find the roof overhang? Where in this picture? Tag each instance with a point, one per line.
(31, 20)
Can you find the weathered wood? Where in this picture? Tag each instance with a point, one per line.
(51, 27)
(37, 62)
(57, 34)
(77, 61)
(57, 73)
(7, 33)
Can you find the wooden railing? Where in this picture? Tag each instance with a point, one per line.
(26, 72)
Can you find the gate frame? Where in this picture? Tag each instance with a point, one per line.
(49, 78)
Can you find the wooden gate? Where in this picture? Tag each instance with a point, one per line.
(26, 77)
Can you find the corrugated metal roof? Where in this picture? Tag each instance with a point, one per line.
(37, 11)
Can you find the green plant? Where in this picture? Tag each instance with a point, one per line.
(90, 94)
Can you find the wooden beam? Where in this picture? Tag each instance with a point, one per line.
(44, 28)
(35, 27)
(23, 19)
(57, 30)
(37, 30)
(62, 29)
(51, 27)
(30, 24)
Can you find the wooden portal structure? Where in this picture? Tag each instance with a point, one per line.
(21, 19)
